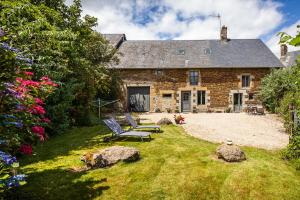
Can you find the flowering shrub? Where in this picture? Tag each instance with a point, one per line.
(8, 168)
(22, 116)
(178, 119)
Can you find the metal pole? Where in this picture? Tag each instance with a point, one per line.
(99, 108)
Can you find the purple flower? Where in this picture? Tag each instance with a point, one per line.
(13, 93)
(19, 177)
(3, 142)
(8, 116)
(20, 107)
(7, 47)
(7, 159)
(2, 33)
(14, 181)
(8, 85)
(18, 124)
(27, 60)
(18, 57)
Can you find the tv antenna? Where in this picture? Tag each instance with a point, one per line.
(219, 18)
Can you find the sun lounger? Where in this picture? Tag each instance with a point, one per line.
(119, 132)
(136, 126)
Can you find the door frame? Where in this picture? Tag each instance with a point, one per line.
(190, 100)
(239, 103)
(147, 107)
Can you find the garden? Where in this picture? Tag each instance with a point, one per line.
(54, 65)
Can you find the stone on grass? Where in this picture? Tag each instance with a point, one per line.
(164, 121)
(230, 153)
(109, 156)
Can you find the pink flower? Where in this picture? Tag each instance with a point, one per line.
(47, 81)
(28, 73)
(30, 83)
(26, 149)
(38, 110)
(39, 101)
(45, 78)
(40, 131)
(19, 80)
(46, 120)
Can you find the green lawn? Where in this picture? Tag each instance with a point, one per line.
(173, 166)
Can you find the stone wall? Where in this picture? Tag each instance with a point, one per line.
(219, 84)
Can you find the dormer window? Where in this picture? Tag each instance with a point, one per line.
(181, 52)
(245, 81)
(207, 51)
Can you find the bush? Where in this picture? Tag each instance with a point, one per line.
(290, 98)
(277, 84)
(279, 91)
(293, 149)
(22, 114)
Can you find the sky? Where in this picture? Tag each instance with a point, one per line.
(196, 19)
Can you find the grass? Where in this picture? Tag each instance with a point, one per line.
(173, 166)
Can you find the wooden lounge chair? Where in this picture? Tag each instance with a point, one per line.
(119, 132)
(134, 125)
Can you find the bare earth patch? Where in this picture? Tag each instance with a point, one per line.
(265, 132)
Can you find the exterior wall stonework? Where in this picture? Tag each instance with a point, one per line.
(219, 84)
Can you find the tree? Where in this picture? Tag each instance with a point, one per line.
(63, 46)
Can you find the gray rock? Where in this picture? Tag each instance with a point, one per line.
(164, 121)
(109, 156)
(230, 153)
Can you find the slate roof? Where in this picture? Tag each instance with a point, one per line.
(291, 58)
(115, 39)
(235, 53)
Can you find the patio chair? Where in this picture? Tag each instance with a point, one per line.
(133, 123)
(119, 132)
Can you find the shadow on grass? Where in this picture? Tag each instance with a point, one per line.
(72, 140)
(58, 184)
(76, 139)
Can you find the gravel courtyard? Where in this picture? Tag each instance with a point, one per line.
(265, 132)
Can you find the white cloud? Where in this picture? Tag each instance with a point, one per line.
(273, 41)
(189, 19)
(245, 19)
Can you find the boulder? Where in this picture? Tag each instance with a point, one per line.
(164, 121)
(109, 156)
(230, 153)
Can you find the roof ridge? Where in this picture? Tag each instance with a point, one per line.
(189, 40)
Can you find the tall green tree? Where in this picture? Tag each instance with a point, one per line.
(63, 45)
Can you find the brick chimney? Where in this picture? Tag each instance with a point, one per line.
(283, 50)
(223, 33)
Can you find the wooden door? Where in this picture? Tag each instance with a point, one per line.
(138, 99)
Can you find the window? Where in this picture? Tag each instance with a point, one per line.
(167, 95)
(251, 96)
(245, 81)
(207, 51)
(181, 52)
(158, 72)
(194, 77)
(201, 97)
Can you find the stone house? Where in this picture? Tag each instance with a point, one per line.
(192, 75)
